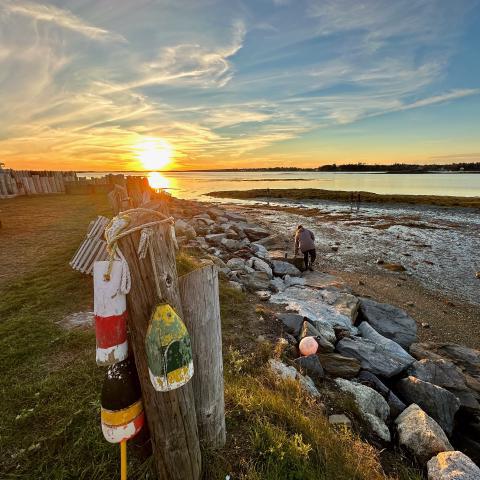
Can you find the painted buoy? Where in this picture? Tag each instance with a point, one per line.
(122, 409)
(169, 351)
(308, 346)
(110, 308)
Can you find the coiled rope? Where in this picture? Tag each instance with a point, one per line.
(115, 230)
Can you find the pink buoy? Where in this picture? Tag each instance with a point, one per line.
(308, 346)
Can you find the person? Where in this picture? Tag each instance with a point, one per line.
(305, 241)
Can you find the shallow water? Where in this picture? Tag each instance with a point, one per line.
(195, 184)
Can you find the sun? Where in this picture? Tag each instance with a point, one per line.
(154, 154)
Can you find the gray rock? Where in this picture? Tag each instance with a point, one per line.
(308, 330)
(183, 228)
(273, 241)
(344, 303)
(235, 217)
(215, 238)
(372, 381)
(284, 268)
(236, 263)
(277, 284)
(310, 366)
(290, 281)
(326, 330)
(439, 403)
(371, 405)
(255, 233)
(262, 266)
(293, 322)
(231, 244)
(374, 358)
(290, 373)
(215, 213)
(339, 420)
(391, 322)
(263, 295)
(259, 250)
(452, 466)
(339, 366)
(256, 281)
(421, 434)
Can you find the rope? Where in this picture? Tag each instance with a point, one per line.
(115, 230)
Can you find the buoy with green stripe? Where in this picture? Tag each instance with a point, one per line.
(168, 348)
(122, 409)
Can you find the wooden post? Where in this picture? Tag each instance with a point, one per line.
(201, 314)
(170, 415)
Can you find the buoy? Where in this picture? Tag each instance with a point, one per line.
(308, 346)
(168, 348)
(122, 409)
(110, 308)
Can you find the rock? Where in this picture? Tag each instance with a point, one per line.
(215, 213)
(339, 366)
(217, 261)
(290, 373)
(371, 405)
(467, 359)
(374, 358)
(394, 267)
(236, 263)
(339, 420)
(215, 238)
(344, 303)
(277, 284)
(183, 228)
(389, 321)
(308, 330)
(372, 381)
(235, 217)
(310, 366)
(421, 434)
(284, 268)
(445, 374)
(272, 241)
(262, 266)
(231, 244)
(477, 274)
(263, 295)
(452, 466)
(259, 250)
(256, 281)
(293, 322)
(439, 403)
(291, 281)
(235, 285)
(255, 233)
(425, 325)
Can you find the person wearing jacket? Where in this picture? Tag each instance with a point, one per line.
(305, 241)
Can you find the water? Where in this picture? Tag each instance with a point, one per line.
(190, 185)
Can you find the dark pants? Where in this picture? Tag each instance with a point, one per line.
(309, 253)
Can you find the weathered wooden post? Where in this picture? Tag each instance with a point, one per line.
(201, 314)
(170, 415)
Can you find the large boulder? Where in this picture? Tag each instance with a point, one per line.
(290, 373)
(259, 250)
(262, 266)
(372, 381)
(255, 233)
(439, 403)
(234, 216)
(277, 285)
(184, 229)
(344, 303)
(339, 366)
(308, 330)
(421, 434)
(215, 238)
(232, 245)
(391, 322)
(284, 268)
(373, 357)
(236, 263)
(452, 466)
(311, 366)
(292, 321)
(445, 374)
(371, 405)
(256, 281)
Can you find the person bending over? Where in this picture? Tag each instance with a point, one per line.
(305, 241)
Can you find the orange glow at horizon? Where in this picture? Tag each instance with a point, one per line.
(154, 153)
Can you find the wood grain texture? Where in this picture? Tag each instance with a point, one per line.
(170, 415)
(201, 314)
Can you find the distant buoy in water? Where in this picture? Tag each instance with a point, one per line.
(122, 412)
(168, 348)
(110, 308)
(308, 346)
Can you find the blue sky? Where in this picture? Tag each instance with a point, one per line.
(87, 84)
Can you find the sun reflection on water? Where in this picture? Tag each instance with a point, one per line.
(159, 182)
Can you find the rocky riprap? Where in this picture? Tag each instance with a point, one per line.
(425, 396)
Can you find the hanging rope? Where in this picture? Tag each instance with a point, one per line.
(115, 230)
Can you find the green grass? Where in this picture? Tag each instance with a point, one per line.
(343, 196)
(50, 384)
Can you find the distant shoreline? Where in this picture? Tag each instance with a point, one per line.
(348, 196)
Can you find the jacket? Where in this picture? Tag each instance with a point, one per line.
(305, 240)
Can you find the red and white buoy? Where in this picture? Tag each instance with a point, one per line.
(110, 308)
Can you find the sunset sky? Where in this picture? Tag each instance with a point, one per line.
(181, 84)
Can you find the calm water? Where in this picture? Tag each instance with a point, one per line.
(196, 184)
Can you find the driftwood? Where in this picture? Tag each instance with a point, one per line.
(201, 314)
(171, 415)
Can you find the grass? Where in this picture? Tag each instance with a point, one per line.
(343, 196)
(50, 384)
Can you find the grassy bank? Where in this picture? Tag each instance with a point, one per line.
(343, 196)
(50, 384)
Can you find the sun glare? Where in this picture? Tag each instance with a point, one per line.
(154, 154)
(158, 182)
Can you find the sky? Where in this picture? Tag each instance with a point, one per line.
(199, 84)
